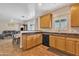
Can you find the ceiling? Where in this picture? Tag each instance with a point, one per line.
(26, 11)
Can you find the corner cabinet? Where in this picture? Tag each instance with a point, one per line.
(75, 15)
(46, 21)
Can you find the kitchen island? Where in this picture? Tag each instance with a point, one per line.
(30, 39)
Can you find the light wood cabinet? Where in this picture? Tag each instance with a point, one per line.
(57, 42)
(46, 21)
(39, 39)
(60, 43)
(77, 48)
(75, 15)
(70, 45)
(29, 41)
(52, 41)
(34, 40)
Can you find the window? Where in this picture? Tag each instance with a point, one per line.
(57, 24)
(61, 24)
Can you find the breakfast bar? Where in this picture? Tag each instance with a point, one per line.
(30, 39)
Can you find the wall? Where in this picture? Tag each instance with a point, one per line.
(6, 25)
(31, 24)
(59, 14)
(65, 12)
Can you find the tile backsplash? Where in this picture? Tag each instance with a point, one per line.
(75, 29)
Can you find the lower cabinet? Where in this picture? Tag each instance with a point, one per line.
(52, 41)
(57, 42)
(77, 48)
(33, 40)
(30, 41)
(39, 39)
(70, 45)
(60, 43)
(67, 44)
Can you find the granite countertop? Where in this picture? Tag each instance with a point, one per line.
(49, 32)
(30, 32)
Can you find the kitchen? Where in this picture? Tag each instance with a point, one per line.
(54, 28)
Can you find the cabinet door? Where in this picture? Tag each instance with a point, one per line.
(38, 39)
(29, 41)
(34, 40)
(70, 45)
(52, 41)
(45, 21)
(75, 15)
(77, 48)
(60, 43)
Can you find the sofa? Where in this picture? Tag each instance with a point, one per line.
(7, 33)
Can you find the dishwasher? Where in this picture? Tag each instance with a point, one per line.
(45, 40)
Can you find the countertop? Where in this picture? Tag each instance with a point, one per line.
(49, 32)
(64, 34)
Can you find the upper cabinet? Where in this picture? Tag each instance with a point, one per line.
(46, 21)
(75, 15)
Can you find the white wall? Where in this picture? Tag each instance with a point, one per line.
(31, 24)
(59, 14)
(65, 12)
(5, 25)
